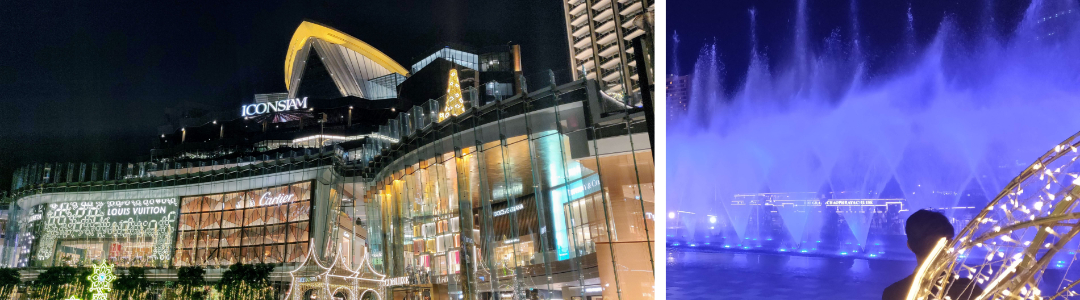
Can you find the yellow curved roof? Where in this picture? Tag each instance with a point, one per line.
(308, 30)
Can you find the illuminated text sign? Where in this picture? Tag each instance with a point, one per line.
(266, 199)
(507, 210)
(396, 281)
(276, 106)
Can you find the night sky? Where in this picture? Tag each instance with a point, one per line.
(882, 23)
(87, 82)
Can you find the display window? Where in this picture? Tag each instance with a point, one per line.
(125, 232)
(268, 225)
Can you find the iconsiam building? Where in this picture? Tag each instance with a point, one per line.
(547, 194)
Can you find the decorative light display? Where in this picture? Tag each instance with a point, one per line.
(328, 280)
(1021, 245)
(101, 281)
(454, 103)
(119, 219)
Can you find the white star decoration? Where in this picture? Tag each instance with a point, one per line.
(101, 280)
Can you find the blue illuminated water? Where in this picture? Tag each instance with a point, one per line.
(802, 157)
(742, 276)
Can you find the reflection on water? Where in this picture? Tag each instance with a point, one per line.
(728, 275)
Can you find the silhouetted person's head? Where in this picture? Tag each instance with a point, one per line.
(924, 228)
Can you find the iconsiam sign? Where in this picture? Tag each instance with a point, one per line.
(276, 106)
(828, 154)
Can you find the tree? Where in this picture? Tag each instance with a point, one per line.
(247, 281)
(190, 282)
(61, 282)
(132, 285)
(9, 281)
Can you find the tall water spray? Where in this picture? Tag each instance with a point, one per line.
(815, 157)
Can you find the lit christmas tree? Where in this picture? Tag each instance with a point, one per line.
(454, 104)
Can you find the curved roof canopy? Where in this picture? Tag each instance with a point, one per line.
(353, 64)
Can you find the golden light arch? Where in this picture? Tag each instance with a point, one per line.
(305, 35)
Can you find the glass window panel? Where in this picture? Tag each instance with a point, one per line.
(232, 218)
(230, 238)
(583, 208)
(252, 236)
(298, 232)
(254, 216)
(204, 204)
(275, 234)
(189, 221)
(200, 257)
(190, 204)
(213, 202)
(228, 256)
(251, 255)
(299, 211)
(211, 220)
(211, 257)
(297, 252)
(620, 182)
(249, 198)
(183, 258)
(232, 200)
(595, 207)
(276, 214)
(274, 254)
(187, 239)
(302, 191)
(209, 238)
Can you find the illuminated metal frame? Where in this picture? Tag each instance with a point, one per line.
(356, 283)
(1015, 263)
(295, 57)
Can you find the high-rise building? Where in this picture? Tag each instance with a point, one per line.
(678, 94)
(600, 35)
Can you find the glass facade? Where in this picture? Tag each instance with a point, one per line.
(522, 198)
(267, 225)
(496, 62)
(458, 57)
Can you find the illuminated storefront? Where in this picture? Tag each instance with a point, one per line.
(211, 216)
(519, 203)
(269, 225)
(135, 232)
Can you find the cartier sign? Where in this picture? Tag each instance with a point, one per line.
(268, 199)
